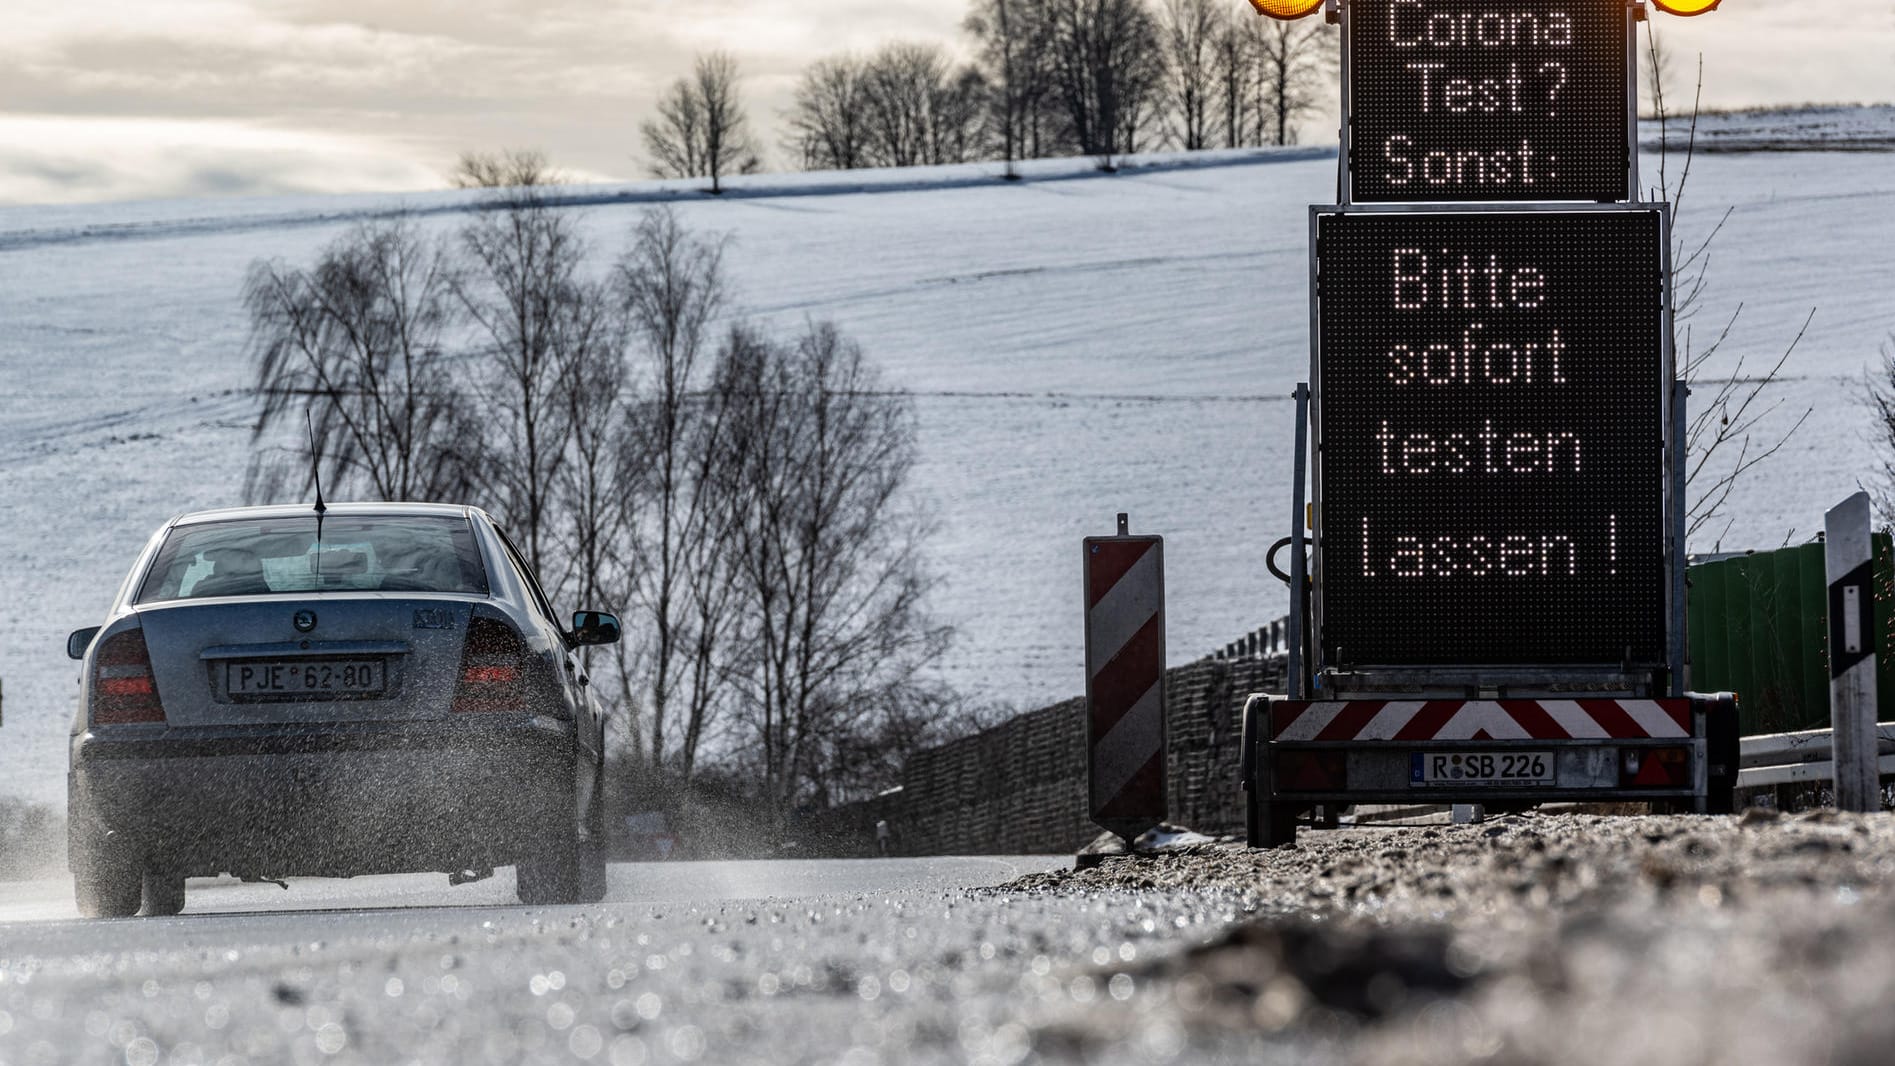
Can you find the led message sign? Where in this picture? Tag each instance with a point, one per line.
(1490, 437)
(1456, 100)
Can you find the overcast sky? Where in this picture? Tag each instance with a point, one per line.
(135, 99)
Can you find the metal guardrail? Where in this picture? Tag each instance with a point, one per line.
(1775, 759)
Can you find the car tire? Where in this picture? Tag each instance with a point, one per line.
(592, 850)
(163, 894)
(114, 895)
(572, 869)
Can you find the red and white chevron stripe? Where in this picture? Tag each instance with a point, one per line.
(1583, 719)
(1125, 671)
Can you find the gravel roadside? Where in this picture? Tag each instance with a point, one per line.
(1535, 939)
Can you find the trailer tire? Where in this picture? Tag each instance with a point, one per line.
(1253, 832)
(1279, 825)
(1723, 750)
(1254, 709)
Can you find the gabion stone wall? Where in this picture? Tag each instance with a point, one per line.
(1020, 788)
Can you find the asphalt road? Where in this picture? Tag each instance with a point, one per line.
(44, 900)
(866, 961)
(1533, 939)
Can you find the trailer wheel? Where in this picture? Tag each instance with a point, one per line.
(1279, 825)
(1254, 709)
(1723, 752)
(1253, 833)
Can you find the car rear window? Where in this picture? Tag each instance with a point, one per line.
(355, 553)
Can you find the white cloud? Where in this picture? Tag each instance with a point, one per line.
(1758, 52)
(196, 97)
(45, 159)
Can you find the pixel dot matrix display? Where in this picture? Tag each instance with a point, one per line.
(1491, 391)
(1459, 100)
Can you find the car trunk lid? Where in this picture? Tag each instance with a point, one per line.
(302, 658)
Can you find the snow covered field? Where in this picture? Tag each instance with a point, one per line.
(1839, 128)
(1080, 344)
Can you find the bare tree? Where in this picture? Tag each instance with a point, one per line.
(712, 593)
(1724, 434)
(748, 514)
(1291, 61)
(1191, 29)
(672, 286)
(595, 479)
(828, 127)
(918, 109)
(1012, 41)
(533, 315)
(959, 134)
(1233, 64)
(505, 169)
(701, 129)
(1881, 387)
(675, 140)
(359, 342)
(1105, 59)
(900, 83)
(828, 555)
(1656, 74)
(860, 756)
(1144, 107)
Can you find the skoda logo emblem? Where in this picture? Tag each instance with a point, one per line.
(305, 621)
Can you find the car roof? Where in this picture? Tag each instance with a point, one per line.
(337, 510)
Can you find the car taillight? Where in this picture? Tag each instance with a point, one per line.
(123, 690)
(493, 668)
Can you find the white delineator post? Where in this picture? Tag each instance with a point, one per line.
(1852, 658)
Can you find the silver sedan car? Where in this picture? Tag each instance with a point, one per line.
(373, 688)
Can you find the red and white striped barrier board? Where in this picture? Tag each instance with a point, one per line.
(1125, 681)
(1539, 719)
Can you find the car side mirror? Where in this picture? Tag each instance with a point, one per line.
(79, 641)
(594, 627)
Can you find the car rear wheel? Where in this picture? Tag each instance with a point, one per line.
(108, 894)
(572, 869)
(164, 894)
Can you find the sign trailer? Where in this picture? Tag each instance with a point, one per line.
(1496, 533)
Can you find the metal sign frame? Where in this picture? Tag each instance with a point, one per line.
(1345, 174)
(1522, 680)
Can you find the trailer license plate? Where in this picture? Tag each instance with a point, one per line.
(1481, 768)
(348, 678)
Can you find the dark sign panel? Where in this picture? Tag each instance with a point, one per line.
(1455, 100)
(1491, 437)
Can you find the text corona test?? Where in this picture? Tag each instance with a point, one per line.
(1474, 100)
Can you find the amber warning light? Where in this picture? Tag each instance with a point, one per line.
(1680, 7)
(1286, 9)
